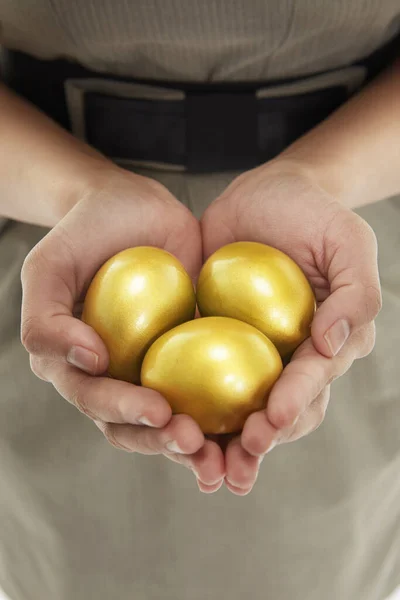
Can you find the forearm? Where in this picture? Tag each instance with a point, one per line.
(43, 169)
(355, 154)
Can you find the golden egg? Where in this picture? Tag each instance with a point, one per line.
(262, 286)
(135, 297)
(217, 370)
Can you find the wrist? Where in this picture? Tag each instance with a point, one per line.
(86, 176)
(354, 154)
(44, 170)
(333, 161)
(327, 177)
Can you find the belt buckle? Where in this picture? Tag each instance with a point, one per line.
(218, 130)
(351, 78)
(75, 94)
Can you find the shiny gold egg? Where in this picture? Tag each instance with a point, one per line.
(217, 370)
(135, 297)
(262, 286)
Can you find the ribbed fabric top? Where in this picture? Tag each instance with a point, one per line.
(201, 40)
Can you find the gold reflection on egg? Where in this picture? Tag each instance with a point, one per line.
(135, 297)
(217, 370)
(262, 286)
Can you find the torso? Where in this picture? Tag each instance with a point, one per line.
(201, 40)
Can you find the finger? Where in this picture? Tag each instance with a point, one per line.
(300, 383)
(39, 366)
(64, 338)
(303, 379)
(241, 467)
(261, 435)
(310, 420)
(109, 400)
(207, 464)
(258, 435)
(180, 436)
(350, 261)
(48, 328)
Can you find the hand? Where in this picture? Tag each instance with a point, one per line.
(280, 204)
(121, 210)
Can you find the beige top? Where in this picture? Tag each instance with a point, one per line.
(202, 40)
(80, 520)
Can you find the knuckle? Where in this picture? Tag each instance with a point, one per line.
(156, 188)
(372, 293)
(30, 334)
(320, 412)
(318, 409)
(180, 459)
(368, 234)
(368, 340)
(150, 441)
(38, 367)
(361, 230)
(369, 300)
(33, 263)
(310, 381)
(318, 416)
(118, 409)
(373, 301)
(342, 363)
(52, 254)
(110, 433)
(30, 263)
(151, 188)
(79, 399)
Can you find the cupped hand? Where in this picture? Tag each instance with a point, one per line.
(281, 205)
(120, 210)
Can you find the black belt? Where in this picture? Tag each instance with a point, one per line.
(194, 127)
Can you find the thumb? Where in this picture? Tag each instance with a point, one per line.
(48, 328)
(355, 295)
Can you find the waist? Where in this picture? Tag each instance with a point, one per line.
(199, 127)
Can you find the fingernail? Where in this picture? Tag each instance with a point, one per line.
(145, 421)
(236, 485)
(206, 489)
(337, 335)
(83, 359)
(218, 481)
(260, 459)
(174, 447)
(242, 486)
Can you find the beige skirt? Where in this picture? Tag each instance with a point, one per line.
(80, 520)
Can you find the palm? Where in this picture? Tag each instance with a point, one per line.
(279, 206)
(124, 210)
(272, 212)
